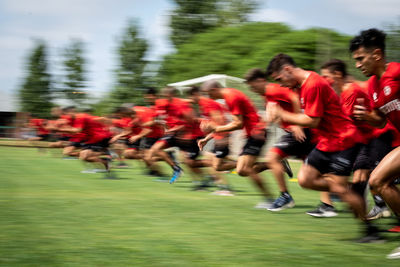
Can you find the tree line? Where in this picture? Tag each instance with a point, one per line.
(209, 36)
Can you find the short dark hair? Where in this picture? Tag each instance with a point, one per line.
(277, 63)
(151, 91)
(194, 90)
(68, 108)
(335, 65)
(254, 74)
(371, 38)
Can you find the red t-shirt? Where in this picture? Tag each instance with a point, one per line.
(335, 131)
(385, 93)
(93, 130)
(239, 104)
(208, 106)
(146, 114)
(283, 96)
(39, 125)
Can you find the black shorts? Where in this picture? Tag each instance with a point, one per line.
(63, 138)
(99, 146)
(221, 150)
(289, 146)
(45, 137)
(190, 147)
(338, 163)
(371, 154)
(170, 140)
(76, 144)
(253, 146)
(149, 142)
(135, 145)
(380, 147)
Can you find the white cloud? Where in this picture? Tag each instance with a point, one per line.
(273, 15)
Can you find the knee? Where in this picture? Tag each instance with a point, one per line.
(243, 171)
(84, 155)
(303, 181)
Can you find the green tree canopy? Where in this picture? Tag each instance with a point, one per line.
(74, 78)
(35, 94)
(196, 16)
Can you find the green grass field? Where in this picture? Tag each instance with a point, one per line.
(53, 215)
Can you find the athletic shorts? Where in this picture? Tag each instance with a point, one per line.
(135, 145)
(380, 147)
(221, 151)
(63, 138)
(169, 139)
(190, 147)
(99, 146)
(372, 153)
(76, 144)
(149, 142)
(45, 137)
(338, 163)
(253, 145)
(289, 146)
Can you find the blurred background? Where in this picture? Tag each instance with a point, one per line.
(101, 53)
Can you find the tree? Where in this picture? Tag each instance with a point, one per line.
(35, 94)
(197, 16)
(234, 50)
(131, 70)
(74, 81)
(393, 41)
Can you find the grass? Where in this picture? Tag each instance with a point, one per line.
(52, 215)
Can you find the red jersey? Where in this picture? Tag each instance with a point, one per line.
(147, 114)
(93, 130)
(208, 106)
(283, 96)
(239, 104)
(385, 93)
(39, 125)
(335, 131)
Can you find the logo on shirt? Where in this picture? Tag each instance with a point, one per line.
(302, 101)
(387, 90)
(375, 97)
(390, 106)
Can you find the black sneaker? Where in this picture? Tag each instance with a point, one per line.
(287, 168)
(371, 238)
(323, 211)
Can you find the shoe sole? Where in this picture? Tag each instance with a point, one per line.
(383, 214)
(325, 215)
(287, 206)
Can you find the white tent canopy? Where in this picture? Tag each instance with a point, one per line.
(222, 78)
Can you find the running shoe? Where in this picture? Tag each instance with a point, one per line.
(378, 212)
(284, 201)
(395, 229)
(395, 254)
(177, 173)
(266, 204)
(323, 211)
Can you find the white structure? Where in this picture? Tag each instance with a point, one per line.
(225, 80)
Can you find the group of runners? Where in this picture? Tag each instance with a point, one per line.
(338, 126)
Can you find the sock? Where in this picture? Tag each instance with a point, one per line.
(327, 205)
(379, 201)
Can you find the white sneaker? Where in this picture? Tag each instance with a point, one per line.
(88, 171)
(267, 204)
(395, 254)
(377, 212)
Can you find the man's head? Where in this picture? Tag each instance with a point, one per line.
(281, 69)
(194, 93)
(123, 112)
(255, 79)
(168, 92)
(69, 110)
(150, 96)
(334, 71)
(368, 50)
(212, 88)
(56, 112)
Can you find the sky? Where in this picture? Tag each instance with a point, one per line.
(99, 23)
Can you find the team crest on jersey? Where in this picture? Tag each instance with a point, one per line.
(302, 101)
(387, 90)
(375, 97)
